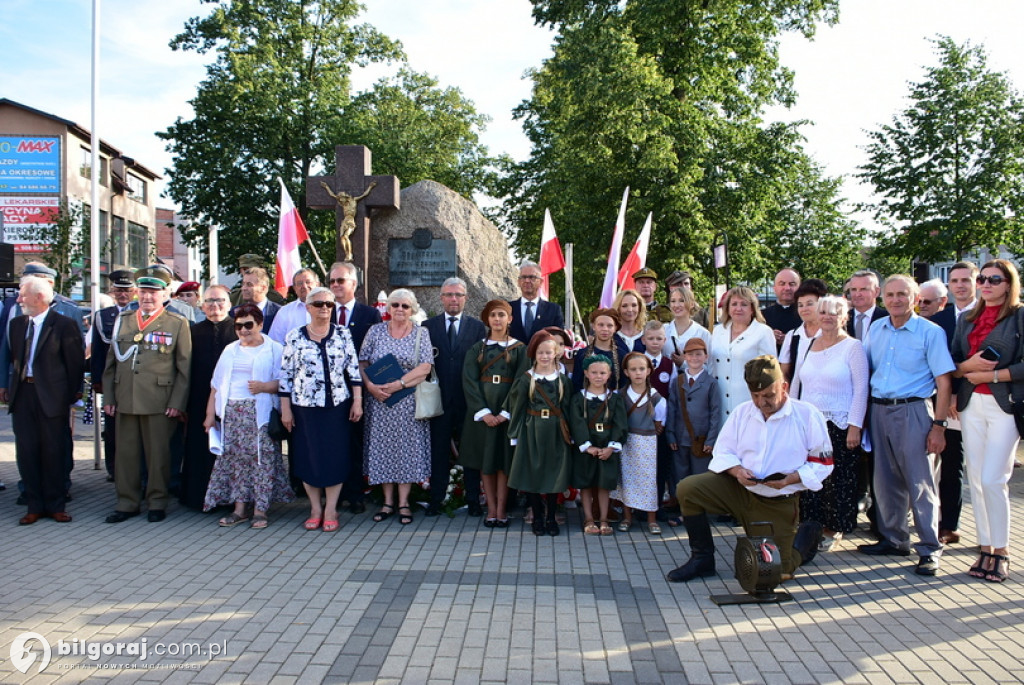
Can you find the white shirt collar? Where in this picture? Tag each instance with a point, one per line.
(591, 396)
(39, 318)
(689, 377)
(536, 302)
(968, 308)
(548, 377)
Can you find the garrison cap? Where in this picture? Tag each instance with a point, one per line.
(762, 372)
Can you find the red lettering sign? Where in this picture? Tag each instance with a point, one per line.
(36, 146)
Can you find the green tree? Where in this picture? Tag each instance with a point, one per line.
(949, 169)
(665, 96)
(278, 98)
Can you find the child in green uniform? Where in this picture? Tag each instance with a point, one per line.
(538, 404)
(597, 417)
(491, 366)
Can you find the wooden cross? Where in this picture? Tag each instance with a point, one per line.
(352, 176)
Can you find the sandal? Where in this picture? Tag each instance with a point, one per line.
(405, 519)
(232, 519)
(654, 529)
(978, 570)
(1000, 570)
(312, 523)
(259, 522)
(386, 510)
(606, 529)
(625, 525)
(330, 526)
(590, 528)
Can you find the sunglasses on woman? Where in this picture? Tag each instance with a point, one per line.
(321, 304)
(247, 325)
(994, 280)
(401, 305)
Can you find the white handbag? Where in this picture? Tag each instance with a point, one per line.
(428, 392)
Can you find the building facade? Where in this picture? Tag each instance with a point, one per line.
(46, 164)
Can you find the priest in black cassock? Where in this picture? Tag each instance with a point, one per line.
(209, 338)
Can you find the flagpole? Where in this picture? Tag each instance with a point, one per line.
(316, 256)
(94, 218)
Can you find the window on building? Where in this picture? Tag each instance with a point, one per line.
(118, 241)
(85, 168)
(136, 188)
(138, 245)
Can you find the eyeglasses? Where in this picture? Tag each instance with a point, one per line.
(321, 304)
(214, 300)
(247, 325)
(994, 280)
(529, 278)
(401, 305)
(453, 294)
(927, 303)
(339, 281)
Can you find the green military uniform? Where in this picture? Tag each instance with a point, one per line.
(599, 421)
(659, 312)
(487, 377)
(147, 372)
(541, 463)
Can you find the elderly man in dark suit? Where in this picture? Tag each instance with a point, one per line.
(146, 382)
(255, 286)
(530, 312)
(49, 362)
(452, 334)
(343, 279)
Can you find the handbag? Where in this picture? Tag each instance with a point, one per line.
(275, 427)
(428, 392)
(1017, 402)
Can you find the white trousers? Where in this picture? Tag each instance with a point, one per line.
(990, 444)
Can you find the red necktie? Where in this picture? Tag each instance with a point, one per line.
(341, 316)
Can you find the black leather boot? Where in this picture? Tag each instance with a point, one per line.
(702, 551)
(808, 535)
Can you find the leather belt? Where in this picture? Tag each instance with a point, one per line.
(890, 403)
(496, 379)
(543, 413)
(779, 498)
(28, 379)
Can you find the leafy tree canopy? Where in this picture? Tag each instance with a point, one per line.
(278, 98)
(949, 169)
(664, 96)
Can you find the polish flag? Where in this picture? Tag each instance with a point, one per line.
(551, 259)
(291, 233)
(608, 292)
(637, 257)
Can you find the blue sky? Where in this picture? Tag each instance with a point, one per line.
(851, 78)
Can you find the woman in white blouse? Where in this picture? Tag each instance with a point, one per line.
(834, 378)
(740, 337)
(682, 327)
(796, 342)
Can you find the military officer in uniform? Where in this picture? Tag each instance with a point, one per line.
(122, 289)
(252, 261)
(146, 384)
(647, 284)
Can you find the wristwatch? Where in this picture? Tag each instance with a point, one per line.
(937, 422)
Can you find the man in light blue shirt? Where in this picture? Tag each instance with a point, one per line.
(909, 363)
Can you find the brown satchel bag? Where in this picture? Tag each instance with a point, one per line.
(696, 441)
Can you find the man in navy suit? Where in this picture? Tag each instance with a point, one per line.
(343, 279)
(49, 361)
(451, 334)
(531, 313)
(862, 291)
(255, 286)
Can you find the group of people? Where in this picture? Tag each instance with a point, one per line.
(801, 414)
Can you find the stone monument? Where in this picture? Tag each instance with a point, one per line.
(438, 234)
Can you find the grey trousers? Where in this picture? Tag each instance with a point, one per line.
(906, 475)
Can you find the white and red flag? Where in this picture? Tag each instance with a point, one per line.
(291, 233)
(609, 291)
(551, 258)
(637, 257)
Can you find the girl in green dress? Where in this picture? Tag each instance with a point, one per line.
(597, 417)
(491, 366)
(538, 405)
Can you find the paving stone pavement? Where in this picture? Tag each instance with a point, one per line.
(446, 600)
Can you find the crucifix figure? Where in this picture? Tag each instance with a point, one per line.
(352, 193)
(348, 205)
